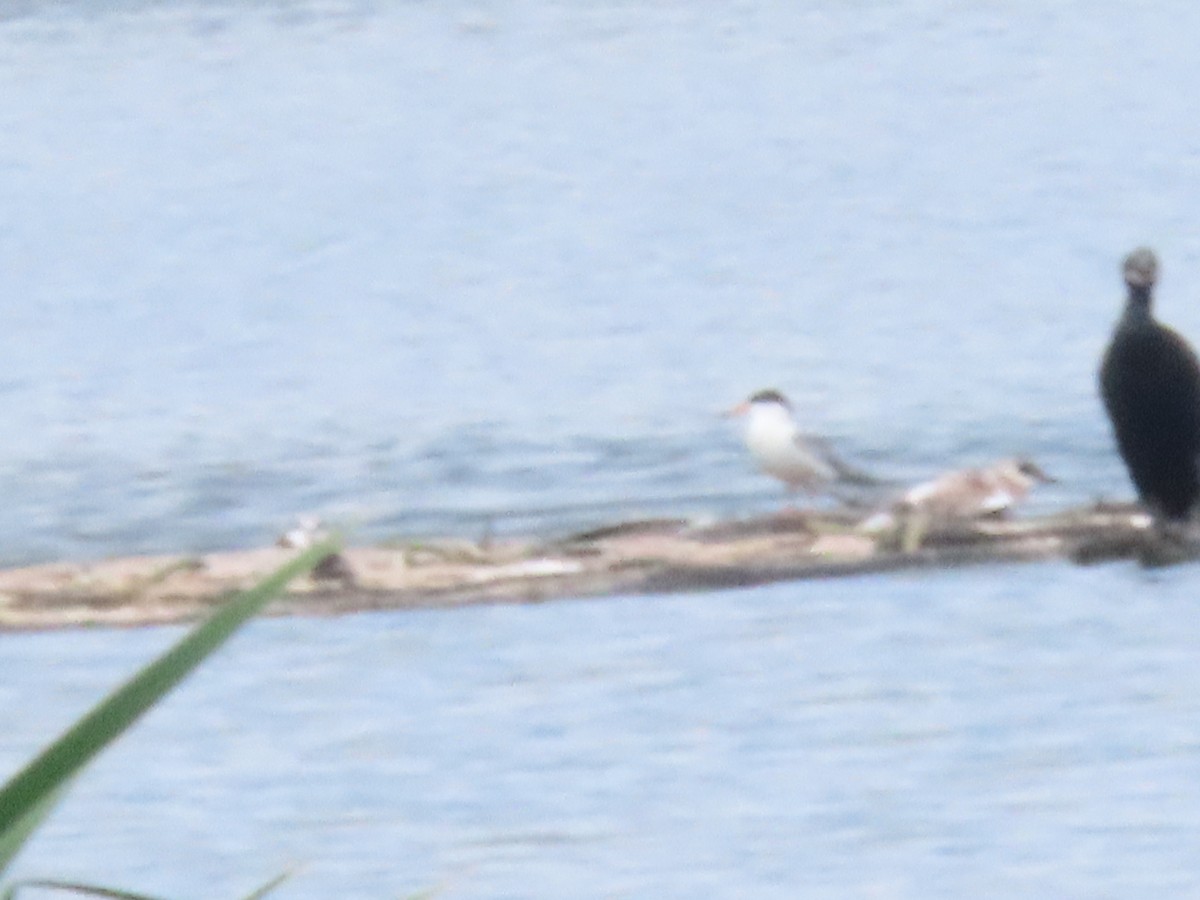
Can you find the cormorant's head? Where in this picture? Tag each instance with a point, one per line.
(1141, 269)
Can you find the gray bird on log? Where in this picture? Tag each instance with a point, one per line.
(1150, 382)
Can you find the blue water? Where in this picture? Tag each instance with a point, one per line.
(439, 267)
(1017, 732)
(421, 267)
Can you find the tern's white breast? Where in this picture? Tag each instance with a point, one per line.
(775, 443)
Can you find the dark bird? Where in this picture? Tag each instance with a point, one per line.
(1150, 382)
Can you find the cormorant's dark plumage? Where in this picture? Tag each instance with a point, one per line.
(1150, 381)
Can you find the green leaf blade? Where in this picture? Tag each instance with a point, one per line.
(28, 795)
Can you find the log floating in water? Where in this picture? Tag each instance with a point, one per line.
(650, 556)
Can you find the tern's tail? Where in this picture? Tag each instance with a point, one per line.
(844, 472)
(848, 474)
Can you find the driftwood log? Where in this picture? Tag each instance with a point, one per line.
(650, 556)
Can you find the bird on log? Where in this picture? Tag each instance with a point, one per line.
(803, 462)
(1150, 383)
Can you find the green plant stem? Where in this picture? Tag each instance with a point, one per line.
(24, 799)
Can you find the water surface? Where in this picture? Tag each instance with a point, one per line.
(442, 266)
(998, 732)
(421, 266)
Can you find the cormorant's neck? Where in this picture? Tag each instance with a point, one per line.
(1137, 306)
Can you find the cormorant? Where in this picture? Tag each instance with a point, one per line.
(1150, 381)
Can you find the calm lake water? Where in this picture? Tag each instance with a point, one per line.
(444, 266)
(421, 266)
(1017, 732)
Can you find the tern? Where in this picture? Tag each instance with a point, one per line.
(802, 462)
(964, 494)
